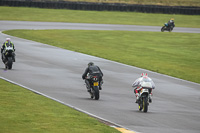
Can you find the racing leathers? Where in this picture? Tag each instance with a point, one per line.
(137, 85)
(92, 70)
(7, 44)
(171, 24)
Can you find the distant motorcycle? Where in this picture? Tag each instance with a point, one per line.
(8, 57)
(166, 27)
(143, 101)
(93, 86)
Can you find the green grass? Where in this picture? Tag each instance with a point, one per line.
(175, 54)
(103, 17)
(23, 111)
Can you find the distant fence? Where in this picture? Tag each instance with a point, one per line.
(103, 6)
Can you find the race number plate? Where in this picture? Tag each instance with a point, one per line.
(95, 83)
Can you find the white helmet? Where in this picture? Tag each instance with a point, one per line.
(8, 39)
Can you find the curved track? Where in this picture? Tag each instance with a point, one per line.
(56, 73)
(7, 25)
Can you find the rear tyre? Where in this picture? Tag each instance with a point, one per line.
(96, 92)
(145, 104)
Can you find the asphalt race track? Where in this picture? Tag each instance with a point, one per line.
(7, 25)
(56, 73)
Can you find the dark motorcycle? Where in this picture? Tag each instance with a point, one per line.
(166, 27)
(8, 58)
(93, 86)
(143, 101)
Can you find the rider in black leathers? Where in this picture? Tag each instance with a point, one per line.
(91, 70)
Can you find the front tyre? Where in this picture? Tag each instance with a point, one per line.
(9, 63)
(162, 29)
(96, 92)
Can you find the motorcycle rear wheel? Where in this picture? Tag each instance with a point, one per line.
(96, 92)
(145, 104)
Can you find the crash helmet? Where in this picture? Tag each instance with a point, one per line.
(8, 39)
(90, 64)
(144, 75)
(172, 20)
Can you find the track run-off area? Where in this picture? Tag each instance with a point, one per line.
(56, 73)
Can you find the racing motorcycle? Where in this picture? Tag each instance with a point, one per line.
(8, 57)
(143, 101)
(93, 86)
(166, 27)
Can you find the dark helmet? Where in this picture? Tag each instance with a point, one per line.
(90, 64)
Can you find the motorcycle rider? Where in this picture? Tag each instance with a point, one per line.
(137, 86)
(171, 23)
(92, 70)
(6, 44)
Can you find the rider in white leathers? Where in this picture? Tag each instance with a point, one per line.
(140, 82)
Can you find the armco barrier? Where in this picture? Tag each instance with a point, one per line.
(103, 6)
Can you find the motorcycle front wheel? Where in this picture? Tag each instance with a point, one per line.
(9, 63)
(162, 29)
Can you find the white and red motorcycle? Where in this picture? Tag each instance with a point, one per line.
(144, 96)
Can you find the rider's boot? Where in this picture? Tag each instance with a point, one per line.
(2, 57)
(150, 98)
(100, 86)
(137, 97)
(13, 57)
(88, 85)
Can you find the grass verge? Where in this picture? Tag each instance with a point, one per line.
(101, 17)
(23, 111)
(174, 54)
